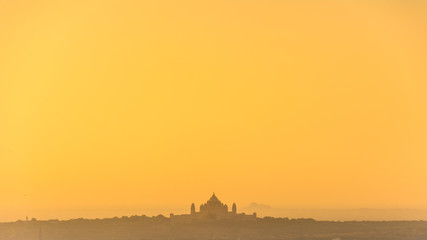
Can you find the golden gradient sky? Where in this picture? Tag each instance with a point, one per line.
(319, 104)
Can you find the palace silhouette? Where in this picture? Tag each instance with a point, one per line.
(213, 209)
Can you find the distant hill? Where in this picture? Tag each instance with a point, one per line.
(255, 207)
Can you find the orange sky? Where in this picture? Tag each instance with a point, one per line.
(153, 104)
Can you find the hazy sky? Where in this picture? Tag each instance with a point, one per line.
(318, 104)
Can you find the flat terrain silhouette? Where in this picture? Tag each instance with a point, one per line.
(340, 214)
(162, 228)
(213, 220)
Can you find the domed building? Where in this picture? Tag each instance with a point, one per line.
(213, 209)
